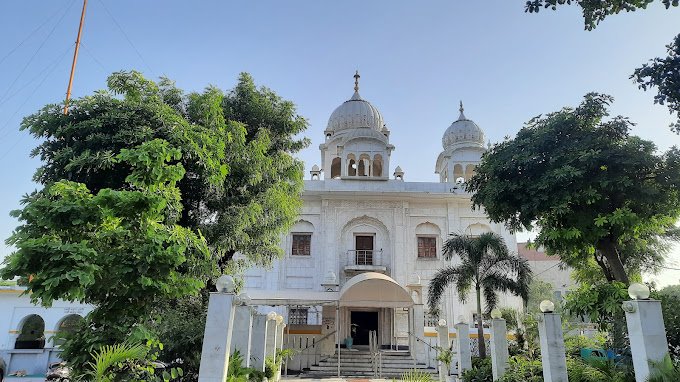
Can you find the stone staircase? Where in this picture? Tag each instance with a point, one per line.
(357, 363)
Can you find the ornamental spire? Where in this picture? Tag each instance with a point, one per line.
(461, 116)
(356, 81)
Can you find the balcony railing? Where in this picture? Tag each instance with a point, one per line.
(364, 260)
(363, 256)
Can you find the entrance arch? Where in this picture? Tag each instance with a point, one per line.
(374, 290)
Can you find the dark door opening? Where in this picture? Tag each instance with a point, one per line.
(364, 250)
(362, 324)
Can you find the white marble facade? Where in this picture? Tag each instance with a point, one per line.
(353, 208)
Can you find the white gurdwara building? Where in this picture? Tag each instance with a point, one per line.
(366, 245)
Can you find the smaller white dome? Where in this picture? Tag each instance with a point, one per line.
(315, 168)
(356, 113)
(463, 130)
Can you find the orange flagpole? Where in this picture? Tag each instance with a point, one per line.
(75, 58)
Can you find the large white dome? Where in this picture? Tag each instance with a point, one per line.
(355, 113)
(462, 131)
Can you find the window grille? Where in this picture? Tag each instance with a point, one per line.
(302, 244)
(298, 316)
(427, 247)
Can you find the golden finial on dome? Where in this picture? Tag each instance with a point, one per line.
(356, 81)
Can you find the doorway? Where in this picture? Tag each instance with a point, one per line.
(364, 250)
(362, 323)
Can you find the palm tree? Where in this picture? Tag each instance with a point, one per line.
(487, 266)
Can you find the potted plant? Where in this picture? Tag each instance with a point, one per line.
(349, 341)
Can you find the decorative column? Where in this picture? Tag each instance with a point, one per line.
(217, 335)
(464, 357)
(646, 331)
(270, 346)
(553, 353)
(499, 345)
(259, 341)
(243, 329)
(444, 345)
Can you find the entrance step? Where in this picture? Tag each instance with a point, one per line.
(357, 363)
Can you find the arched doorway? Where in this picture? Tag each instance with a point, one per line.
(32, 334)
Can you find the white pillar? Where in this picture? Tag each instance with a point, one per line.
(270, 345)
(463, 341)
(444, 344)
(552, 347)
(242, 333)
(499, 348)
(279, 335)
(419, 332)
(647, 334)
(259, 341)
(217, 338)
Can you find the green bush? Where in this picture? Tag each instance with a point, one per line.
(414, 375)
(480, 372)
(665, 371)
(521, 369)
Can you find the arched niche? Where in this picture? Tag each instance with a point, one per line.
(458, 172)
(365, 226)
(67, 325)
(31, 333)
(377, 165)
(336, 165)
(469, 171)
(351, 165)
(364, 165)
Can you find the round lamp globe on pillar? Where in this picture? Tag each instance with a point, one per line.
(547, 306)
(279, 319)
(244, 299)
(271, 316)
(441, 322)
(638, 291)
(225, 284)
(496, 314)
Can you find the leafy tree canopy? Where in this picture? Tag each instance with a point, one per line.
(595, 11)
(242, 184)
(593, 190)
(148, 193)
(664, 74)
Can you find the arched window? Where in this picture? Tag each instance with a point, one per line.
(335, 168)
(469, 171)
(364, 165)
(32, 335)
(67, 325)
(457, 172)
(377, 165)
(351, 165)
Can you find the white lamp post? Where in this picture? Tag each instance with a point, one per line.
(553, 355)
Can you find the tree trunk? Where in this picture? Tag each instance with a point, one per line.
(611, 253)
(480, 326)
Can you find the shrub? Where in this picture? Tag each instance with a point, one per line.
(480, 372)
(414, 375)
(521, 369)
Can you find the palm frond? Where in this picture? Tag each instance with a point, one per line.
(443, 278)
(457, 244)
(491, 299)
(110, 355)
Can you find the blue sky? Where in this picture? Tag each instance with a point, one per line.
(416, 59)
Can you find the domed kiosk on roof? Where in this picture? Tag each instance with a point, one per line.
(463, 144)
(357, 141)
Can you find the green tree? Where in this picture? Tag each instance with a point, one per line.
(116, 249)
(594, 191)
(485, 265)
(664, 74)
(595, 11)
(109, 228)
